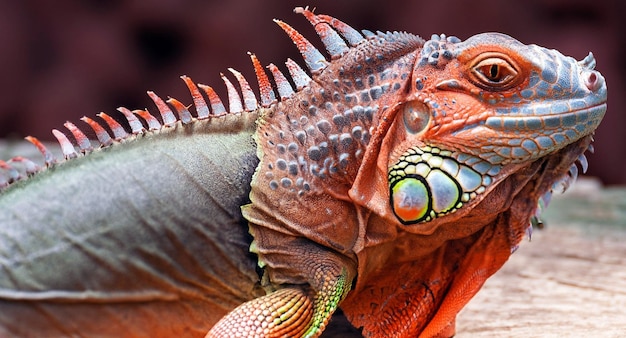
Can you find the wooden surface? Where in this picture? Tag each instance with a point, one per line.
(568, 281)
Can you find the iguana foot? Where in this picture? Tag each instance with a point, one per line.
(288, 312)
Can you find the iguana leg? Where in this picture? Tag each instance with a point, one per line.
(288, 312)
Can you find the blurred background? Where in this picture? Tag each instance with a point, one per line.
(60, 60)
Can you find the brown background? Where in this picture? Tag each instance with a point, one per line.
(60, 60)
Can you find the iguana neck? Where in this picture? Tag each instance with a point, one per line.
(312, 145)
(482, 240)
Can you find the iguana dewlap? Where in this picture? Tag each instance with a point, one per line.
(391, 180)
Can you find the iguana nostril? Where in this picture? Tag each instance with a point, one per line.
(593, 80)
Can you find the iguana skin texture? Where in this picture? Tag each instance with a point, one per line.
(109, 244)
(392, 181)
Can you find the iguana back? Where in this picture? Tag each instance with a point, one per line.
(111, 242)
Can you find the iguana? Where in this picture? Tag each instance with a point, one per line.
(391, 180)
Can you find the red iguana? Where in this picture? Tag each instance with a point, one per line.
(391, 180)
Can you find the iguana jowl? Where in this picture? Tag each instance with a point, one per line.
(392, 181)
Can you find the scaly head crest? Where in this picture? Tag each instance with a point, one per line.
(477, 110)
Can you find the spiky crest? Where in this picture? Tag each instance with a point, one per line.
(336, 36)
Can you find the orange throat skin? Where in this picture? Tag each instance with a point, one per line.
(418, 283)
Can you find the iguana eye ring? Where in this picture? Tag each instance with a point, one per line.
(494, 71)
(416, 116)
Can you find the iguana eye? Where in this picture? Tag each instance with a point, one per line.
(494, 72)
(416, 116)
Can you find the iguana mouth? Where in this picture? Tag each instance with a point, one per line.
(548, 122)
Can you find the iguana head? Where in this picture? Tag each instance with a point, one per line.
(476, 111)
(456, 170)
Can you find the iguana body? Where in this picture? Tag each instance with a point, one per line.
(392, 181)
(131, 268)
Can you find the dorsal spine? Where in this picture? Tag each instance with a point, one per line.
(336, 36)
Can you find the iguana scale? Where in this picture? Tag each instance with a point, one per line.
(391, 180)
